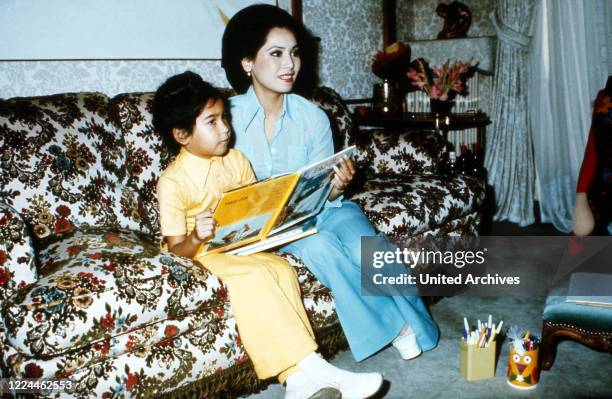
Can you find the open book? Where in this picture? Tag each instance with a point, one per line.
(272, 212)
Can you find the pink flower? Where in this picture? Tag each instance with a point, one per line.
(436, 92)
(415, 75)
(441, 83)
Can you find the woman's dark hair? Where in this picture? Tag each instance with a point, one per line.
(246, 33)
(177, 104)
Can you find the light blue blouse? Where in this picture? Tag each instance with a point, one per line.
(302, 134)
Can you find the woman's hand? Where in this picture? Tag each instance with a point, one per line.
(344, 172)
(583, 221)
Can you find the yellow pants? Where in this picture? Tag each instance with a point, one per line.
(267, 305)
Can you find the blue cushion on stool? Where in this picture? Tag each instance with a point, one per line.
(590, 317)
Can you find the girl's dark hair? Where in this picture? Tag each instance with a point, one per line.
(246, 33)
(177, 104)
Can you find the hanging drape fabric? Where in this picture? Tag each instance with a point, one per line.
(506, 34)
(569, 65)
(509, 153)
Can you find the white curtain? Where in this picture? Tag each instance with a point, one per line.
(509, 155)
(569, 63)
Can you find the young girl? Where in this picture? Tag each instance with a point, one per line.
(265, 296)
(280, 132)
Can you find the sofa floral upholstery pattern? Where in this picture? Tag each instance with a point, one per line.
(87, 294)
(61, 162)
(413, 205)
(146, 156)
(17, 266)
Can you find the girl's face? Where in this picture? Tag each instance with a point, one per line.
(211, 132)
(276, 64)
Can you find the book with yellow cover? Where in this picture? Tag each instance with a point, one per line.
(251, 213)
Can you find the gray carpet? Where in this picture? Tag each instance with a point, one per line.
(578, 372)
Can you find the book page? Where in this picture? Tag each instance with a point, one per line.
(311, 191)
(274, 241)
(246, 214)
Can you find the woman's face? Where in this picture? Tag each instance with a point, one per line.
(276, 64)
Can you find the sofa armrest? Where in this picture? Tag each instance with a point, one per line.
(402, 153)
(17, 256)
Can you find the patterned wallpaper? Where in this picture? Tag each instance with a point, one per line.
(30, 78)
(351, 33)
(417, 19)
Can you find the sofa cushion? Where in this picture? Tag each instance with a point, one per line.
(402, 153)
(558, 310)
(146, 155)
(216, 331)
(61, 162)
(96, 284)
(402, 206)
(17, 266)
(147, 370)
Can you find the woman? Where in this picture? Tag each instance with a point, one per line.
(262, 54)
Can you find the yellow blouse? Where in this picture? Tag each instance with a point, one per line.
(191, 184)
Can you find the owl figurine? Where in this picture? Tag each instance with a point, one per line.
(523, 369)
(523, 361)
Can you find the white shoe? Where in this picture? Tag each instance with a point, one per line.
(299, 386)
(407, 345)
(358, 385)
(351, 385)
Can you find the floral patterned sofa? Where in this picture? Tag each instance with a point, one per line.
(86, 293)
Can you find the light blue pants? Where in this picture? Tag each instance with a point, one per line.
(334, 256)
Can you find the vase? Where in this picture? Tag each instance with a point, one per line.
(441, 107)
(386, 98)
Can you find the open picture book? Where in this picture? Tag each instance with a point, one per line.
(274, 211)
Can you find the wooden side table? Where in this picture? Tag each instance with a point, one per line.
(428, 121)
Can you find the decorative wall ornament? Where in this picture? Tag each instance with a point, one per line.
(416, 21)
(457, 20)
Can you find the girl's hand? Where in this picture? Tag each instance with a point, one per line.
(344, 173)
(188, 245)
(204, 226)
(583, 221)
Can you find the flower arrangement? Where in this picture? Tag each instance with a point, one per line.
(442, 83)
(392, 63)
